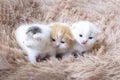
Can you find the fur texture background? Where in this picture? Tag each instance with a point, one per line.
(102, 63)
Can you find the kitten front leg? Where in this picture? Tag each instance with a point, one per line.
(66, 55)
(32, 56)
(53, 56)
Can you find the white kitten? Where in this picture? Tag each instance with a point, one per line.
(34, 39)
(85, 34)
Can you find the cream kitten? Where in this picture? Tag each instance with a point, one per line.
(85, 33)
(62, 39)
(34, 39)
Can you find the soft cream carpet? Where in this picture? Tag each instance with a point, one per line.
(103, 63)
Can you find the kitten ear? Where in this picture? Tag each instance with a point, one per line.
(51, 24)
(96, 30)
(73, 26)
(70, 37)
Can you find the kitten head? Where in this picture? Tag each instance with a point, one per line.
(61, 36)
(85, 33)
(38, 32)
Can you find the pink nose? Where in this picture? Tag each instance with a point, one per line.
(84, 42)
(57, 46)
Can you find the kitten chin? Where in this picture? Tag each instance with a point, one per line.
(85, 33)
(34, 39)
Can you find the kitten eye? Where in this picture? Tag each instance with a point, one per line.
(80, 35)
(62, 41)
(90, 37)
(34, 32)
(53, 39)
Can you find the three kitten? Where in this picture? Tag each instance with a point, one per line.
(56, 38)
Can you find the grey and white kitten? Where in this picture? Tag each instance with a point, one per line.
(34, 39)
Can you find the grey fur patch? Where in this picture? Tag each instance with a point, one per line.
(34, 30)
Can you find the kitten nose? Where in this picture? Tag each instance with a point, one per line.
(57, 46)
(84, 42)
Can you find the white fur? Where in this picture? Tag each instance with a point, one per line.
(38, 44)
(86, 29)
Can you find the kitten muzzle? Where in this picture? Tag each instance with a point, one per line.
(57, 46)
(84, 42)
